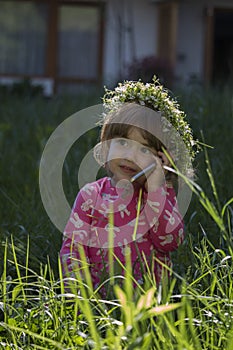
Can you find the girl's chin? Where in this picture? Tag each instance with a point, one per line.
(136, 184)
(120, 178)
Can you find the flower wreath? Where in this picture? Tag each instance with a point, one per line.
(154, 96)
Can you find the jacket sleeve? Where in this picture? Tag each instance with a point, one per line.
(77, 232)
(166, 225)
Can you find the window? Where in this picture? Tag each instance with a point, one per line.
(23, 41)
(61, 40)
(78, 42)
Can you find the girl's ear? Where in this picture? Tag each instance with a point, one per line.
(100, 152)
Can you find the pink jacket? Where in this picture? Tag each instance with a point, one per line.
(159, 229)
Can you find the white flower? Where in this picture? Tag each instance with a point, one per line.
(88, 189)
(81, 234)
(76, 221)
(169, 217)
(123, 210)
(166, 239)
(154, 205)
(87, 205)
(159, 100)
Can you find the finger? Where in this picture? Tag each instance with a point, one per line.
(163, 158)
(158, 168)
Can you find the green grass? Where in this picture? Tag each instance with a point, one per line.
(25, 126)
(191, 311)
(188, 312)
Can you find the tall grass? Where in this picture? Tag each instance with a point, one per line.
(192, 310)
(210, 113)
(25, 126)
(186, 312)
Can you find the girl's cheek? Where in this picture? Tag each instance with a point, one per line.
(113, 153)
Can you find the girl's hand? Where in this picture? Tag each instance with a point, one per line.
(163, 158)
(157, 178)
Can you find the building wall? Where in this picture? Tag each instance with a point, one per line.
(190, 41)
(191, 37)
(131, 33)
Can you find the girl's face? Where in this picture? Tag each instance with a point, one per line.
(128, 156)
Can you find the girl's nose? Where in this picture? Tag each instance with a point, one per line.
(131, 153)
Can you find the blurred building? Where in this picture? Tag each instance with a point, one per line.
(67, 44)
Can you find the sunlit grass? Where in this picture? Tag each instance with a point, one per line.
(192, 310)
(186, 312)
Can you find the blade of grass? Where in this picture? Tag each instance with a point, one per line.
(111, 244)
(21, 285)
(4, 284)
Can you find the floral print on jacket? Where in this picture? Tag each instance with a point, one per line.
(159, 230)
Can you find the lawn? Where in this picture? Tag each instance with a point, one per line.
(191, 311)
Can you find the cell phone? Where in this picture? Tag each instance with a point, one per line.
(143, 172)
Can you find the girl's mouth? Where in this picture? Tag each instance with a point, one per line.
(128, 170)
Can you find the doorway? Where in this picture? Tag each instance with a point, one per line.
(223, 46)
(219, 46)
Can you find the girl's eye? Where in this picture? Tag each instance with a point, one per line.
(122, 142)
(146, 150)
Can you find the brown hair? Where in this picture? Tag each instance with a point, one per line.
(119, 123)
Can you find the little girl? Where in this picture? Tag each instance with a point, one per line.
(141, 214)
